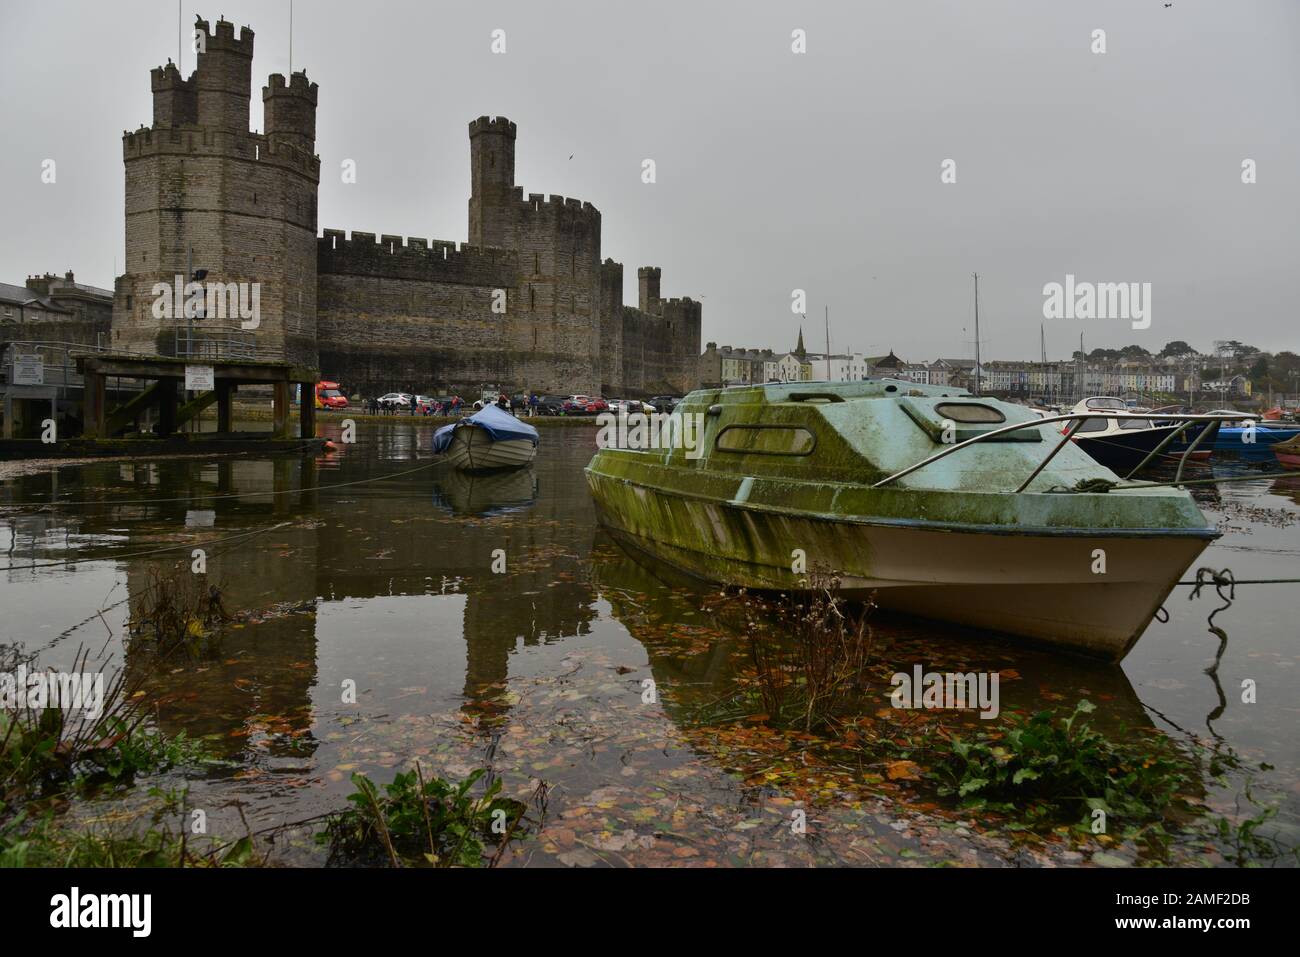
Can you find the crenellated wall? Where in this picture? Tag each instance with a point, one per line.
(419, 315)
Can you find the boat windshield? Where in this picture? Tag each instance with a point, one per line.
(1103, 404)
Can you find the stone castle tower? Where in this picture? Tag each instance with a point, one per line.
(243, 205)
(556, 240)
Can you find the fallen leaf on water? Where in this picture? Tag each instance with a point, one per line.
(903, 770)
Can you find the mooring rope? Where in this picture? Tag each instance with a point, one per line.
(1100, 485)
(229, 495)
(146, 553)
(1220, 581)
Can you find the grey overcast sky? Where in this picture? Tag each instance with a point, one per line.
(776, 171)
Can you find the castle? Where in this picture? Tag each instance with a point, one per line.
(526, 303)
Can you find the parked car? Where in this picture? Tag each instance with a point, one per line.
(396, 400)
(551, 405)
(628, 406)
(586, 405)
(665, 403)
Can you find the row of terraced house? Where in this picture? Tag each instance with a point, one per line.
(1050, 381)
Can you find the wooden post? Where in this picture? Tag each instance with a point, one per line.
(307, 412)
(225, 390)
(166, 409)
(309, 496)
(280, 413)
(94, 412)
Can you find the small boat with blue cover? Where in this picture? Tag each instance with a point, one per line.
(488, 439)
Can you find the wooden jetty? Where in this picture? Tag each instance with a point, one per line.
(163, 397)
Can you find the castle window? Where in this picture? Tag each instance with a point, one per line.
(532, 298)
(492, 160)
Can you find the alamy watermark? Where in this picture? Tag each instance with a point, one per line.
(208, 300)
(36, 690)
(1100, 300)
(645, 432)
(950, 691)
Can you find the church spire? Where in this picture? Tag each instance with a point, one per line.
(799, 350)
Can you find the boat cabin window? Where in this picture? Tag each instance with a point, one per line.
(1106, 404)
(970, 413)
(1093, 425)
(1135, 423)
(766, 440)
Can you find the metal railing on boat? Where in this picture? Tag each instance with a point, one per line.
(1078, 418)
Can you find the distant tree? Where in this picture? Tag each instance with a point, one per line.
(1231, 347)
(1175, 349)
(1103, 355)
(1133, 352)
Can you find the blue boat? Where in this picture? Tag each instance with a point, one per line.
(1254, 443)
(489, 439)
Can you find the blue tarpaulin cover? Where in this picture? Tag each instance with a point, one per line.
(494, 420)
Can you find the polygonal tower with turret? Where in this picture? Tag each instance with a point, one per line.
(203, 192)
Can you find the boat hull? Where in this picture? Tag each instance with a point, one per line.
(1288, 454)
(1040, 584)
(472, 449)
(1122, 452)
(1261, 439)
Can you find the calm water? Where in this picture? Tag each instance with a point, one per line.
(542, 672)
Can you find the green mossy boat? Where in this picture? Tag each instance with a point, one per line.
(783, 477)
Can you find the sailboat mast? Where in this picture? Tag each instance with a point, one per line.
(977, 332)
(828, 343)
(1042, 348)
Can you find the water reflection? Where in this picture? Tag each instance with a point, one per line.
(484, 493)
(373, 566)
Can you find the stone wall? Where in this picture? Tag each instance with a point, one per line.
(414, 315)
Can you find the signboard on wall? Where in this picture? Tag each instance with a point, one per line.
(199, 379)
(29, 370)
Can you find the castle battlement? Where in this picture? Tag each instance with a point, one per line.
(493, 124)
(396, 257)
(543, 205)
(223, 38)
(298, 85)
(169, 77)
(191, 140)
